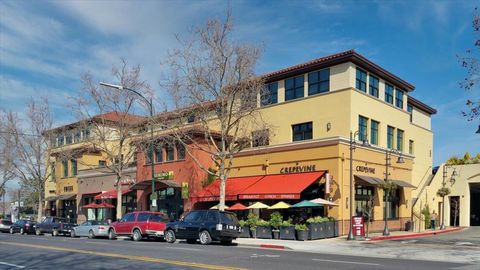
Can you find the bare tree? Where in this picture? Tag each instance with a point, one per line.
(108, 114)
(7, 150)
(31, 147)
(216, 93)
(471, 62)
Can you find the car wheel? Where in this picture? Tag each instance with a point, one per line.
(11, 230)
(54, 232)
(137, 236)
(204, 237)
(22, 231)
(91, 235)
(170, 236)
(38, 232)
(111, 234)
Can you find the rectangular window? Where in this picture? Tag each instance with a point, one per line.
(410, 147)
(374, 132)
(180, 151)
(74, 167)
(362, 128)
(390, 131)
(399, 98)
(86, 133)
(400, 140)
(60, 140)
(294, 88)
(388, 93)
(191, 118)
(68, 138)
(319, 81)
(260, 138)
(364, 201)
(158, 152)
(65, 168)
(361, 81)
(373, 86)
(302, 131)
(53, 172)
(169, 152)
(102, 163)
(78, 135)
(410, 110)
(271, 94)
(392, 205)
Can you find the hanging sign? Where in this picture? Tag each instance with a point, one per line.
(185, 190)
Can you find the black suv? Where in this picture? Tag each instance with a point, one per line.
(205, 225)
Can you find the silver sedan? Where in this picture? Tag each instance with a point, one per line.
(91, 229)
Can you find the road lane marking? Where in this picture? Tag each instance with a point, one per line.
(192, 249)
(322, 260)
(12, 265)
(129, 257)
(98, 243)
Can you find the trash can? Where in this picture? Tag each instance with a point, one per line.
(408, 226)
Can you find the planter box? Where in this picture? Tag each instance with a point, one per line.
(337, 229)
(287, 233)
(264, 232)
(329, 229)
(302, 235)
(245, 232)
(316, 231)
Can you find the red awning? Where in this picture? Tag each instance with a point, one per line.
(280, 186)
(111, 194)
(233, 187)
(269, 187)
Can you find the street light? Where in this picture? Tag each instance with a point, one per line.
(444, 183)
(352, 147)
(152, 164)
(388, 159)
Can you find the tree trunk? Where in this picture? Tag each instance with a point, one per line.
(40, 208)
(223, 179)
(119, 198)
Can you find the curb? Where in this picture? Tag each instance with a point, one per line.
(266, 246)
(431, 233)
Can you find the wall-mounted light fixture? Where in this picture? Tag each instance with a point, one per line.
(329, 126)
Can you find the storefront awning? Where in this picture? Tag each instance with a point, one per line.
(404, 184)
(111, 194)
(67, 197)
(369, 179)
(269, 187)
(51, 198)
(158, 184)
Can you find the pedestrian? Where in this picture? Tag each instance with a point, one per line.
(433, 220)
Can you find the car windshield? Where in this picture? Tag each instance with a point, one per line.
(159, 218)
(6, 222)
(226, 217)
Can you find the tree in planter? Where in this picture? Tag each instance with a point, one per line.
(367, 211)
(276, 220)
(388, 188)
(301, 231)
(252, 222)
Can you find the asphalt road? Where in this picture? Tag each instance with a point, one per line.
(466, 238)
(46, 252)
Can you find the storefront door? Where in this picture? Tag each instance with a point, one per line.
(169, 201)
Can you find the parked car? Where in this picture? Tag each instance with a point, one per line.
(205, 225)
(91, 229)
(23, 226)
(139, 224)
(54, 225)
(5, 225)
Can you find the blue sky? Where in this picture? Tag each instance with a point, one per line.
(46, 45)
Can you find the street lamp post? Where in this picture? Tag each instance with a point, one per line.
(444, 183)
(388, 158)
(152, 163)
(352, 147)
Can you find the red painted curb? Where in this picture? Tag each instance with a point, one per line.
(272, 246)
(390, 237)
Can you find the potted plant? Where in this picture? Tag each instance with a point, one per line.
(263, 229)
(316, 227)
(287, 230)
(329, 227)
(245, 229)
(252, 222)
(275, 221)
(302, 232)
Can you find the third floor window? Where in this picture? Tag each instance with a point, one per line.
(399, 98)
(294, 88)
(271, 94)
(388, 93)
(318, 81)
(361, 81)
(373, 86)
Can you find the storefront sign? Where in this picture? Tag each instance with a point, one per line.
(269, 196)
(365, 169)
(358, 226)
(298, 169)
(185, 190)
(164, 175)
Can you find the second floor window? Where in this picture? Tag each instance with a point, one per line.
(102, 163)
(374, 132)
(68, 138)
(294, 88)
(74, 167)
(260, 138)
(388, 93)
(361, 81)
(399, 98)
(302, 131)
(390, 131)
(169, 152)
(158, 153)
(400, 140)
(319, 81)
(65, 168)
(362, 128)
(373, 86)
(271, 94)
(180, 151)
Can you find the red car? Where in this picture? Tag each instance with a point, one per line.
(139, 224)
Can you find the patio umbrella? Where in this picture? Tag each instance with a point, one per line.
(280, 205)
(105, 205)
(91, 205)
(305, 203)
(258, 205)
(217, 205)
(323, 202)
(237, 207)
